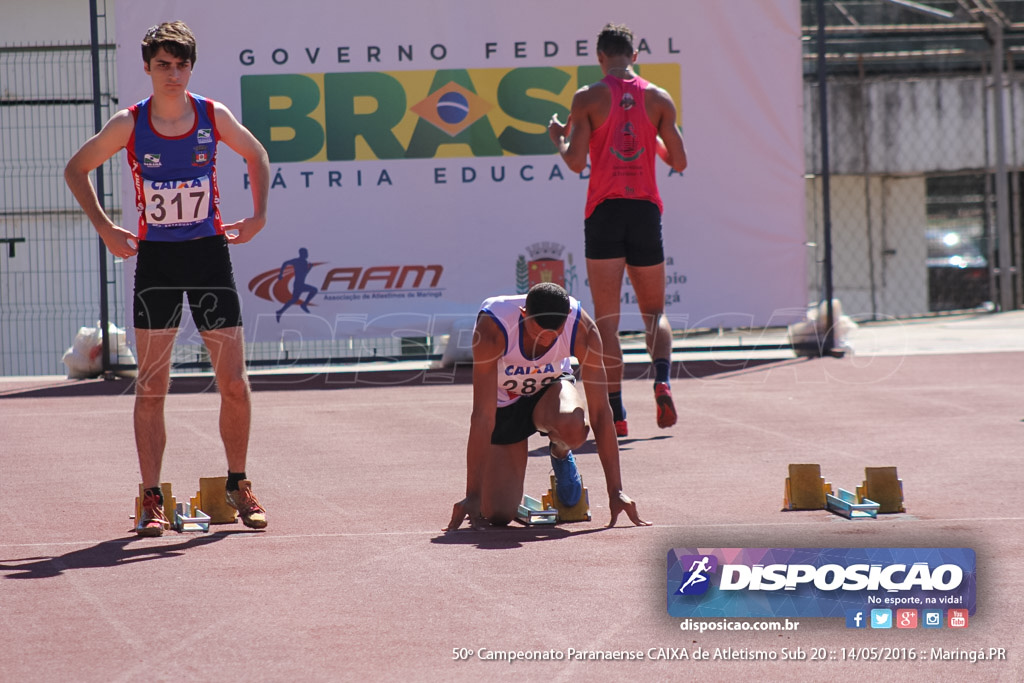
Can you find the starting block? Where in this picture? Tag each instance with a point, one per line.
(851, 505)
(532, 511)
(806, 489)
(550, 510)
(169, 505)
(180, 517)
(190, 518)
(211, 500)
(885, 486)
(580, 512)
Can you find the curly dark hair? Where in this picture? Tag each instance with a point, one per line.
(615, 39)
(174, 37)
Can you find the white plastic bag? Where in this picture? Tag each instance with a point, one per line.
(83, 359)
(812, 331)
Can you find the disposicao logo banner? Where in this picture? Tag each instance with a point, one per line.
(816, 582)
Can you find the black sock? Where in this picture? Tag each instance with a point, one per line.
(233, 479)
(158, 492)
(662, 369)
(618, 410)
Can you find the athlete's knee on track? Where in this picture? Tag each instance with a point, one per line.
(500, 516)
(501, 508)
(501, 519)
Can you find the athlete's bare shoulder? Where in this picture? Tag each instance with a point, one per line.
(593, 98)
(591, 93)
(658, 100)
(655, 91)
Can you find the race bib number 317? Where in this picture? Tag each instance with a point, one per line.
(177, 202)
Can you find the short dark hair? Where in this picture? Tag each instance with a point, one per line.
(174, 37)
(615, 39)
(548, 305)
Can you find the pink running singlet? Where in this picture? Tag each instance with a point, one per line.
(623, 149)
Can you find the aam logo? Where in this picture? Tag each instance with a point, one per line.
(276, 284)
(417, 114)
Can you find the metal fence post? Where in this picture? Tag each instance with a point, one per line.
(994, 29)
(828, 346)
(98, 122)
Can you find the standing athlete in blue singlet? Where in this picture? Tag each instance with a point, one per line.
(522, 383)
(182, 247)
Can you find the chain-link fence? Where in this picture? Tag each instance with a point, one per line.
(912, 199)
(924, 157)
(49, 283)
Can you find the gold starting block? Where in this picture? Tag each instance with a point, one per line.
(580, 512)
(883, 485)
(806, 489)
(180, 517)
(210, 499)
(169, 504)
(550, 510)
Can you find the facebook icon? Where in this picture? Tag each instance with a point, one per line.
(856, 618)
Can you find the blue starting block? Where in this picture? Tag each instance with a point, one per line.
(849, 505)
(187, 518)
(532, 511)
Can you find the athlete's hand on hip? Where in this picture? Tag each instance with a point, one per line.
(244, 230)
(466, 508)
(120, 242)
(619, 503)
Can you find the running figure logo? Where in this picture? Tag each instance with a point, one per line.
(696, 581)
(300, 268)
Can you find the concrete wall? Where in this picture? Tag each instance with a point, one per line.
(878, 244)
(49, 22)
(912, 125)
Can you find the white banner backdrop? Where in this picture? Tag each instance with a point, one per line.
(413, 175)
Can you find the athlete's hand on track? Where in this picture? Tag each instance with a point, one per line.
(244, 230)
(622, 503)
(463, 509)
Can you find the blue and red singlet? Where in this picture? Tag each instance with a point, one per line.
(175, 178)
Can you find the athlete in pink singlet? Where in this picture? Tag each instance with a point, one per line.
(623, 122)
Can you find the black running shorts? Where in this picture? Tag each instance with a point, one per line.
(200, 269)
(514, 423)
(624, 228)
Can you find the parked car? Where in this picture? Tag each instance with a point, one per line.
(958, 275)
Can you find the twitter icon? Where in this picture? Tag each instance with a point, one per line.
(881, 618)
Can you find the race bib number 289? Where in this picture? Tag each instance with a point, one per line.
(177, 202)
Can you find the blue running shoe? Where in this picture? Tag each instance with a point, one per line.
(568, 483)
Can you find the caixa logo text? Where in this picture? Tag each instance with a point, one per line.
(831, 577)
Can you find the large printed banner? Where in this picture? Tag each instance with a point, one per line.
(413, 175)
